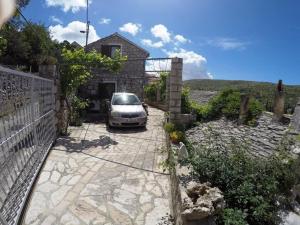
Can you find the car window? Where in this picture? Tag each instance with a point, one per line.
(125, 100)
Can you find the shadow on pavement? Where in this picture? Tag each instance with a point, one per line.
(75, 145)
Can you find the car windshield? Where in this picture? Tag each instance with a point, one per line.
(125, 99)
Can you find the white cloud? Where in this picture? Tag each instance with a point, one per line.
(150, 43)
(56, 20)
(105, 20)
(66, 5)
(194, 65)
(131, 28)
(180, 39)
(160, 31)
(71, 32)
(228, 43)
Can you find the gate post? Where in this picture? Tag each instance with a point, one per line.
(175, 88)
(50, 72)
(278, 102)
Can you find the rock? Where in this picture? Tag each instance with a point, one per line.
(182, 152)
(201, 201)
(296, 150)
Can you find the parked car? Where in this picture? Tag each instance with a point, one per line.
(126, 110)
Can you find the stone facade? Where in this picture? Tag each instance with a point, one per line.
(131, 78)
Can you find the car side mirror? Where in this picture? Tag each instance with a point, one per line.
(145, 106)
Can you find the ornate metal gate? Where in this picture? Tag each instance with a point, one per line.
(27, 131)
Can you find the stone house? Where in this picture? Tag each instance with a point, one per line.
(104, 83)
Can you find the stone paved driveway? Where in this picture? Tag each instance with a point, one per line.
(100, 176)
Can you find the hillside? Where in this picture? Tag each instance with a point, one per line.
(264, 91)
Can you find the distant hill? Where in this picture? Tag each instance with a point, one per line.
(264, 91)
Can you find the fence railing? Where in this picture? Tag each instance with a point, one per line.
(27, 131)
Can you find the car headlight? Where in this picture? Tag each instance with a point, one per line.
(115, 114)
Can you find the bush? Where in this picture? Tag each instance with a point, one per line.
(185, 101)
(177, 136)
(255, 110)
(227, 104)
(169, 127)
(233, 217)
(257, 187)
(150, 91)
(77, 105)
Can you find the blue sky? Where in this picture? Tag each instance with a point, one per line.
(224, 39)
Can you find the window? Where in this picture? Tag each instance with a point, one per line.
(109, 50)
(125, 99)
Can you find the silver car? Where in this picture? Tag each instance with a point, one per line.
(126, 110)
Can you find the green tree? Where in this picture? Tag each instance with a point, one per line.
(75, 70)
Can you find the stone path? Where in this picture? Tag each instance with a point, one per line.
(99, 176)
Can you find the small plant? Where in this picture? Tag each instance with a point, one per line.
(169, 127)
(77, 105)
(185, 101)
(176, 137)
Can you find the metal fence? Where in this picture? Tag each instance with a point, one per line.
(27, 131)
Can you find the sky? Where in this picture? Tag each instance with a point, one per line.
(217, 39)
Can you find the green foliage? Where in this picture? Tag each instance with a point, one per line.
(169, 127)
(27, 44)
(75, 71)
(75, 68)
(152, 89)
(227, 103)
(255, 109)
(257, 187)
(177, 136)
(78, 105)
(233, 217)
(185, 101)
(262, 91)
(231, 108)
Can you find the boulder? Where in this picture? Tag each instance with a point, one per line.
(201, 201)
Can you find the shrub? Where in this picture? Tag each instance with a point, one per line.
(150, 91)
(227, 104)
(185, 101)
(257, 187)
(255, 110)
(233, 217)
(77, 105)
(169, 127)
(177, 136)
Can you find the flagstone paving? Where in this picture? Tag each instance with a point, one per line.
(98, 176)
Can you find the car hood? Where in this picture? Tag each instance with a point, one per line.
(128, 108)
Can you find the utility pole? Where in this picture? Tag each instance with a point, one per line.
(87, 23)
(87, 30)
